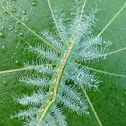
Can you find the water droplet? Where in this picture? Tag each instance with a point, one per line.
(6, 60)
(4, 49)
(87, 113)
(51, 93)
(14, 10)
(125, 93)
(21, 34)
(28, 19)
(18, 22)
(24, 12)
(15, 53)
(2, 35)
(15, 31)
(122, 103)
(5, 83)
(34, 3)
(10, 28)
(5, 12)
(12, 57)
(18, 28)
(1, 101)
(2, 28)
(16, 62)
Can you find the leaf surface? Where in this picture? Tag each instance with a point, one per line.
(109, 103)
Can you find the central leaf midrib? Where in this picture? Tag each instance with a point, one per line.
(57, 81)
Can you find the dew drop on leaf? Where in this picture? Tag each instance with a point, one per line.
(6, 60)
(125, 93)
(12, 57)
(122, 103)
(10, 28)
(18, 28)
(2, 28)
(28, 19)
(2, 35)
(14, 10)
(24, 12)
(87, 113)
(16, 62)
(117, 97)
(5, 83)
(5, 11)
(3, 49)
(1, 101)
(34, 3)
(21, 34)
(18, 22)
(15, 53)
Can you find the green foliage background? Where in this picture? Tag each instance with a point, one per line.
(109, 103)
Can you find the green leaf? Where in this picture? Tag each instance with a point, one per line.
(109, 102)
